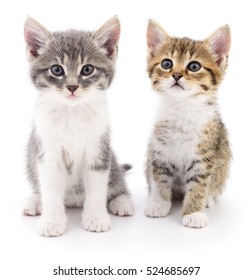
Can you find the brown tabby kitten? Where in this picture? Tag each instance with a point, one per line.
(188, 153)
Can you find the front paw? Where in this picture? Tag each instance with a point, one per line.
(195, 220)
(157, 210)
(50, 228)
(97, 223)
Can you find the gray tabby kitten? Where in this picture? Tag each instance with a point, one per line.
(69, 160)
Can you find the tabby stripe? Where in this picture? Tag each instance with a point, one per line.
(160, 169)
(196, 178)
(193, 164)
(211, 72)
(193, 48)
(163, 171)
(152, 69)
(193, 179)
(174, 167)
(204, 87)
(102, 69)
(203, 176)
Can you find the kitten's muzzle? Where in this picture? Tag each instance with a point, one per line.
(176, 77)
(72, 88)
(177, 85)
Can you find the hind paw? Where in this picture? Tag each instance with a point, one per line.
(121, 206)
(32, 206)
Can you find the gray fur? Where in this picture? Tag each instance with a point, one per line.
(79, 188)
(116, 185)
(34, 155)
(126, 167)
(103, 160)
(71, 49)
(106, 159)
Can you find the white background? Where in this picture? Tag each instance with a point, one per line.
(223, 248)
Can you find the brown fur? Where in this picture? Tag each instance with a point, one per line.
(206, 175)
(214, 149)
(200, 53)
(184, 50)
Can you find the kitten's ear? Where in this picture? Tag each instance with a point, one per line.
(36, 37)
(108, 36)
(219, 43)
(155, 36)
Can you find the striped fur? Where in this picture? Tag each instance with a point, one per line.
(70, 161)
(189, 152)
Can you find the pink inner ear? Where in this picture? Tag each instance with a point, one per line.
(35, 36)
(111, 43)
(154, 38)
(221, 46)
(33, 42)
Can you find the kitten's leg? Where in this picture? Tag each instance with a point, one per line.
(120, 202)
(207, 175)
(121, 205)
(34, 155)
(160, 180)
(95, 215)
(159, 201)
(195, 198)
(53, 218)
(32, 205)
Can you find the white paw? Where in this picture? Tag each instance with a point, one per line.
(48, 228)
(122, 206)
(157, 210)
(32, 206)
(96, 223)
(210, 202)
(195, 220)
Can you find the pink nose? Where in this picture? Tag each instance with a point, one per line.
(177, 76)
(72, 88)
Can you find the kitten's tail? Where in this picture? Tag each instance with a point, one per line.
(126, 167)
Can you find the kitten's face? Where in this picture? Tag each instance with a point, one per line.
(68, 66)
(184, 67)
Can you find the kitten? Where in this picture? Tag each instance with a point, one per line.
(69, 157)
(188, 153)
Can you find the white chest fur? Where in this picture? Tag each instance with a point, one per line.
(77, 128)
(178, 128)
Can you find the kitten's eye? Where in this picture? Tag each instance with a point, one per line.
(167, 64)
(57, 70)
(194, 66)
(87, 70)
